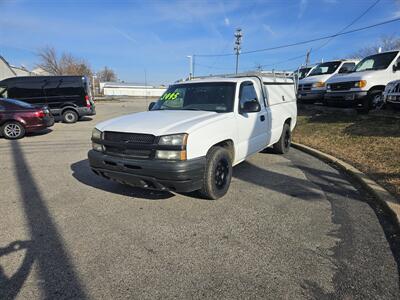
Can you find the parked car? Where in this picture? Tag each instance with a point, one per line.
(195, 133)
(18, 117)
(313, 87)
(363, 87)
(68, 97)
(391, 94)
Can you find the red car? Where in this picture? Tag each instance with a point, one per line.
(18, 117)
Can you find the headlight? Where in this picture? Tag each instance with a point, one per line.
(97, 147)
(318, 84)
(173, 140)
(174, 155)
(97, 134)
(360, 84)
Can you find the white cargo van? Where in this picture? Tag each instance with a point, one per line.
(363, 87)
(193, 135)
(313, 87)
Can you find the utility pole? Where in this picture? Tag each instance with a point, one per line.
(308, 57)
(190, 66)
(237, 48)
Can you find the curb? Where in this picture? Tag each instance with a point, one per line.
(381, 194)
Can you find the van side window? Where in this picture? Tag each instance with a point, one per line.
(27, 90)
(247, 93)
(3, 92)
(347, 67)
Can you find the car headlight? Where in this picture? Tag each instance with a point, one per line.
(97, 147)
(318, 84)
(360, 84)
(97, 134)
(173, 140)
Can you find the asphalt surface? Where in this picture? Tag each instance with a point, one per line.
(291, 227)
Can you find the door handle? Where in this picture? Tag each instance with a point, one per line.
(262, 118)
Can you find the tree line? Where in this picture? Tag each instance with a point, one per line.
(67, 64)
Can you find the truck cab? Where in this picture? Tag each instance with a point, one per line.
(313, 87)
(196, 132)
(363, 87)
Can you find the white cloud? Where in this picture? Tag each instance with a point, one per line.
(303, 6)
(268, 29)
(227, 22)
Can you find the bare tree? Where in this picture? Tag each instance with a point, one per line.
(386, 43)
(106, 75)
(66, 64)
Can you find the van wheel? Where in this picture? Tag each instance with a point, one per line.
(70, 116)
(283, 145)
(373, 99)
(13, 130)
(217, 173)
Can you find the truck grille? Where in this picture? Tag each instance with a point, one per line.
(129, 145)
(304, 87)
(341, 86)
(134, 138)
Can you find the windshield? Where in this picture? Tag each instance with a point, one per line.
(208, 96)
(326, 68)
(376, 62)
(18, 103)
(303, 72)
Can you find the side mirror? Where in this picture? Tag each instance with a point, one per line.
(396, 67)
(151, 105)
(343, 70)
(251, 106)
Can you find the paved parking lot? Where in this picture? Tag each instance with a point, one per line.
(291, 227)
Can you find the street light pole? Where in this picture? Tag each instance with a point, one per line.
(238, 42)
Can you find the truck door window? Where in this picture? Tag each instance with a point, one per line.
(247, 93)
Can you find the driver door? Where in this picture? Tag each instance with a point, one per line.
(252, 126)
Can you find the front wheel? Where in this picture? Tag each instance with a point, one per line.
(13, 130)
(283, 145)
(217, 174)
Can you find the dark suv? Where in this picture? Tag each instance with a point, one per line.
(68, 97)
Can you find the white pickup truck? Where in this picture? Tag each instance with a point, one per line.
(363, 86)
(193, 135)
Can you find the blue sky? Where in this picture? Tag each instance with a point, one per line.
(156, 36)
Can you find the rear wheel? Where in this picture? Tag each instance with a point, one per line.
(70, 116)
(283, 145)
(217, 174)
(13, 130)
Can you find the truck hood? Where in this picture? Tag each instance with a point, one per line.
(162, 122)
(356, 76)
(315, 78)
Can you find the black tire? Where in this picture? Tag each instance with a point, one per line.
(70, 116)
(369, 102)
(283, 145)
(217, 173)
(13, 130)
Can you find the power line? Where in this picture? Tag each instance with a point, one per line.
(352, 23)
(306, 41)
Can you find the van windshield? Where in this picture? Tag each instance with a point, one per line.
(326, 68)
(207, 96)
(376, 62)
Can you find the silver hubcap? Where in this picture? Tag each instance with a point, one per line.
(12, 130)
(70, 117)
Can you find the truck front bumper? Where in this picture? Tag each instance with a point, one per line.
(310, 95)
(164, 175)
(345, 98)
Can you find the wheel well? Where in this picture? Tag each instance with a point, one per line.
(227, 144)
(69, 108)
(377, 88)
(288, 121)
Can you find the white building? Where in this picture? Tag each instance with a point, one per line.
(20, 71)
(6, 70)
(131, 89)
